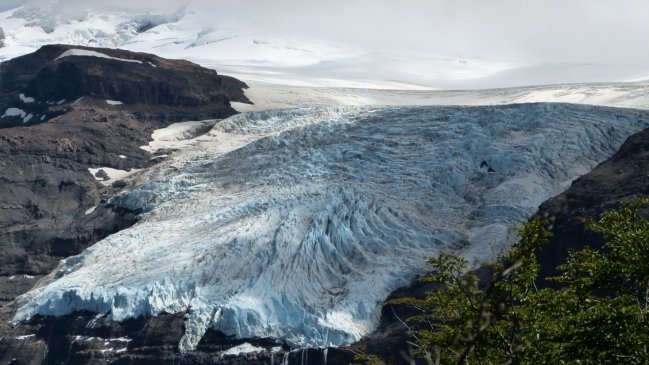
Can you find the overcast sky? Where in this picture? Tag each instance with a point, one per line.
(575, 31)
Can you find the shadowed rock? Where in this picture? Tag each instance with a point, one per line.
(44, 83)
(621, 177)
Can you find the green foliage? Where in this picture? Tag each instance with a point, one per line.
(598, 315)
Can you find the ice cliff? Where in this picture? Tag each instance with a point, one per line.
(297, 224)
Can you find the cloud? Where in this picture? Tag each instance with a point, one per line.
(588, 31)
(574, 31)
(11, 4)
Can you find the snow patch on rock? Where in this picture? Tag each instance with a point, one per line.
(177, 135)
(25, 337)
(244, 348)
(113, 174)
(14, 112)
(87, 53)
(26, 99)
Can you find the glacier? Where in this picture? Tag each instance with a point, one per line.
(297, 224)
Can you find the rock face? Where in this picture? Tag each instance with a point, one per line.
(623, 176)
(39, 86)
(46, 186)
(85, 338)
(51, 206)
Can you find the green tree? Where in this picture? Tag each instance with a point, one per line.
(598, 314)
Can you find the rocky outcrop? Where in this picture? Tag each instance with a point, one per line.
(622, 177)
(55, 124)
(39, 86)
(47, 192)
(85, 338)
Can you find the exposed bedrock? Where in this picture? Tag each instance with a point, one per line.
(38, 86)
(60, 117)
(621, 177)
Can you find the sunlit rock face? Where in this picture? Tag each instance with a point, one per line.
(297, 224)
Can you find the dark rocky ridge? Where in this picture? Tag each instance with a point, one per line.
(149, 86)
(46, 190)
(46, 186)
(84, 338)
(622, 177)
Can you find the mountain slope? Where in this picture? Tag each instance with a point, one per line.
(623, 176)
(42, 85)
(297, 224)
(56, 151)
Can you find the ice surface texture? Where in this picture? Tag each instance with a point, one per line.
(297, 224)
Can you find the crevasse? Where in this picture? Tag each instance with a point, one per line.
(297, 224)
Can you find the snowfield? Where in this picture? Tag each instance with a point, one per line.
(297, 224)
(272, 96)
(254, 51)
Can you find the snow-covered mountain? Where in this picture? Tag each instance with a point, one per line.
(297, 224)
(238, 44)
